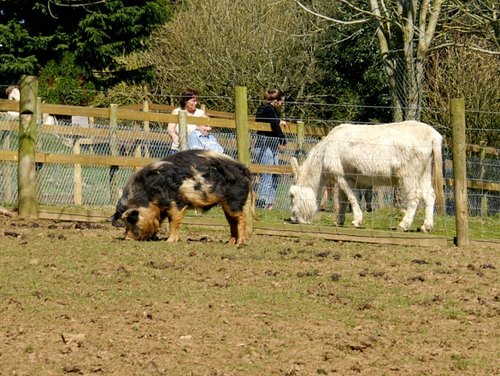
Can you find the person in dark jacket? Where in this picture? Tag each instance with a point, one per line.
(269, 143)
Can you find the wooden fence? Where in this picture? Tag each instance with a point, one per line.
(147, 113)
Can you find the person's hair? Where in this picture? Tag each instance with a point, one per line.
(272, 95)
(10, 89)
(186, 95)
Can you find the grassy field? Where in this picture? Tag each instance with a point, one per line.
(387, 219)
(77, 299)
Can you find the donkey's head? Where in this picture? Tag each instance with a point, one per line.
(303, 201)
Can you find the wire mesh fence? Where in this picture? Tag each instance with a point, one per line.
(91, 185)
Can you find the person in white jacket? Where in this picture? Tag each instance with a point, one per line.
(189, 102)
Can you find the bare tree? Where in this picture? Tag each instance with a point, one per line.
(215, 45)
(457, 72)
(408, 30)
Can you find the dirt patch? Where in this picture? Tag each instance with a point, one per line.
(76, 298)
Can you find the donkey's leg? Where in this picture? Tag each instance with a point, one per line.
(342, 206)
(324, 199)
(410, 191)
(346, 187)
(429, 198)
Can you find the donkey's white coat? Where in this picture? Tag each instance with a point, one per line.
(404, 154)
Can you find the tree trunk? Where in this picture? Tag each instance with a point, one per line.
(397, 106)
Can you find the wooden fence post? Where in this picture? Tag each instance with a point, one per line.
(114, 191)
(39, 114)
(243, 142)
(301, 138)
(145, 108)
(77, 176)
(26, 171)
(183, 130)
(457, 111)
(484, 193)
(7, 172)
(241, 119)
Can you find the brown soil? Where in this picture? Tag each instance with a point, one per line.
(77, 299)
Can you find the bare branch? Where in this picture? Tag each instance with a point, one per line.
(334, 20)
(466, 46)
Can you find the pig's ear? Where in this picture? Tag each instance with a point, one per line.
(131, 216)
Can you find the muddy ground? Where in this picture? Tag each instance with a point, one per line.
(76, 298)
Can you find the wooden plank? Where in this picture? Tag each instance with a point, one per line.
(322, 232)
(345, 231)
(125, 114)
(104, 160)
(99, 160)
(101, 135)
(161, 107)
(132, 113)
(478, 149)
(212, 122)
(483, 185)
(9, 105)
(473, 184)
(9, 125)
(270, 169)
(423, 242)
(75, 131)
(134, 106)
(74, 214)
(9, 155)
(12, 156)
(57, 109)
(222, 119)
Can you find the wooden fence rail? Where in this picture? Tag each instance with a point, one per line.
(98, 135)
(148, 113)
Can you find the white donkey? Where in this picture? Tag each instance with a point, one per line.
(405, 154)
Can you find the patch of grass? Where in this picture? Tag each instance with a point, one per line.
(461, 362)
(276, 305)
(387, 219)
(453, 313)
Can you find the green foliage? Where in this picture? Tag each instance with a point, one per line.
(12, 34)
(121, 93)
(354, 79)
(65, 82)
(36, 33)
(216, 45)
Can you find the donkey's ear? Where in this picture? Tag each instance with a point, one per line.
(295, 168)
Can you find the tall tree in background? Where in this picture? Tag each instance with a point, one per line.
(407, 31)
(95, 32)
(215, 45)
(456, 72)
(353, 87)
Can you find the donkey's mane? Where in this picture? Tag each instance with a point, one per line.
(312, 167)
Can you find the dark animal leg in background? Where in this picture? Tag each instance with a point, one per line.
(112, 171)
(233, 225)
(241, 221)
(238, 225)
